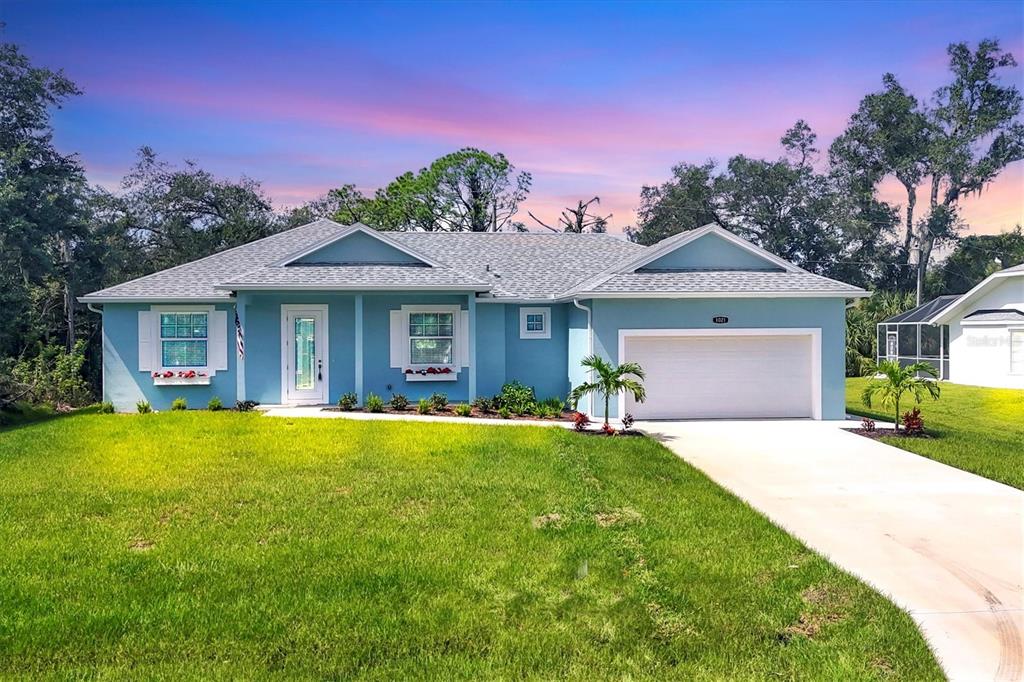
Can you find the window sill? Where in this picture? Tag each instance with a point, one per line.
(182, 381)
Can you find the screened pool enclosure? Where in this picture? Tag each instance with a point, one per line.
(909, 338)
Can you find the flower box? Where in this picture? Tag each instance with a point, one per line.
(181, 378)
(431, 374)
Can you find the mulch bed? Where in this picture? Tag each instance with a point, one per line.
(450, 412)
(879, 433)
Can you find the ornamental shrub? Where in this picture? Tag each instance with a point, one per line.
(627, 421)
(143, 407)
(517, 398)
(424, 406)
(399, 402)
(439, 401)
(484, 404)
(868, 424)
(504, 412)
(464, 410)
(913, 422)
(179, 404)
(348, 401)
(106, 408)
(215, 404)
(374, 403)
(246, 405)
(580, 421)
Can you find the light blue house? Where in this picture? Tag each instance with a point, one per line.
(723, 328)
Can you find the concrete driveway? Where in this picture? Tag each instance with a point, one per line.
(946, 545)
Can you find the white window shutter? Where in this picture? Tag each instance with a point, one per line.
(147, 344)
(218, 359)
(398, 338)
(462, 344)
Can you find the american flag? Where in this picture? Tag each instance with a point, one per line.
(239, 337)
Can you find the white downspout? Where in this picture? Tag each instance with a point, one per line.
(590, 347)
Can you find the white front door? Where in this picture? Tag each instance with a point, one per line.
(304, 354)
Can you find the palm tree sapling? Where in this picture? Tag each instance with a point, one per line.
(610, 380)
(888, 389)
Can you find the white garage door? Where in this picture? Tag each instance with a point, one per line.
(723, 377)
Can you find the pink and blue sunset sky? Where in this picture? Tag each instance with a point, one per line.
(591, 98)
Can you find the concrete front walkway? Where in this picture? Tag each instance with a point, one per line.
(945, 545)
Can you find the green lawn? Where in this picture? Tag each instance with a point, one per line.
(976, 429)
(199, 545)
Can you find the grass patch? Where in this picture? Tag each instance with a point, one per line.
(976, 429)
(221, 545)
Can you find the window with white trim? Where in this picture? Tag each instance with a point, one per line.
(1017, 351)
(184, 339)
(431, 338)
(535, 323)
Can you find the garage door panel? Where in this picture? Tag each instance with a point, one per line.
(723, 377)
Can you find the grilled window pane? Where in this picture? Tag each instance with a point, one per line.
(430, 351)
(183, 353)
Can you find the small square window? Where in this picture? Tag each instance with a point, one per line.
(535, 323)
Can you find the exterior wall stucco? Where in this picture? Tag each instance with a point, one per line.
(124, 385)
(828, 314)
(551, 366)
(979, 355)
(541, 363)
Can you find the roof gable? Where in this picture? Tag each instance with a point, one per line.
(711, 251)
(686, 239)
(990, 283)
(357, 245)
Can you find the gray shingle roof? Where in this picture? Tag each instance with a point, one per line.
(198, 278)
(722, 282)
(523, 265)
(508, 265)
(1003, 315)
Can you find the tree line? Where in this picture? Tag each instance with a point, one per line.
(61, 237)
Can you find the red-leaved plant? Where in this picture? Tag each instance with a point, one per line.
(580, 421)
(913, 423)
(867, 423)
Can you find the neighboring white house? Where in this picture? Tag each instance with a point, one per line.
(986, 332)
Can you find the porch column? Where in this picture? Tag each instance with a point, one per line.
(471, 307)
(239, 359)
(359, 348)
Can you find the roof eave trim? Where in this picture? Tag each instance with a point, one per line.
(722, 294)
(352, 287)
(155, 299)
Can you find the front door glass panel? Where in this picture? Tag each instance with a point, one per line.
(305, 353)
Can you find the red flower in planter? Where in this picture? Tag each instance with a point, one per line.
(446, 370)
(156, 374)
(409, 371)
(431, 370)
(168, 374)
